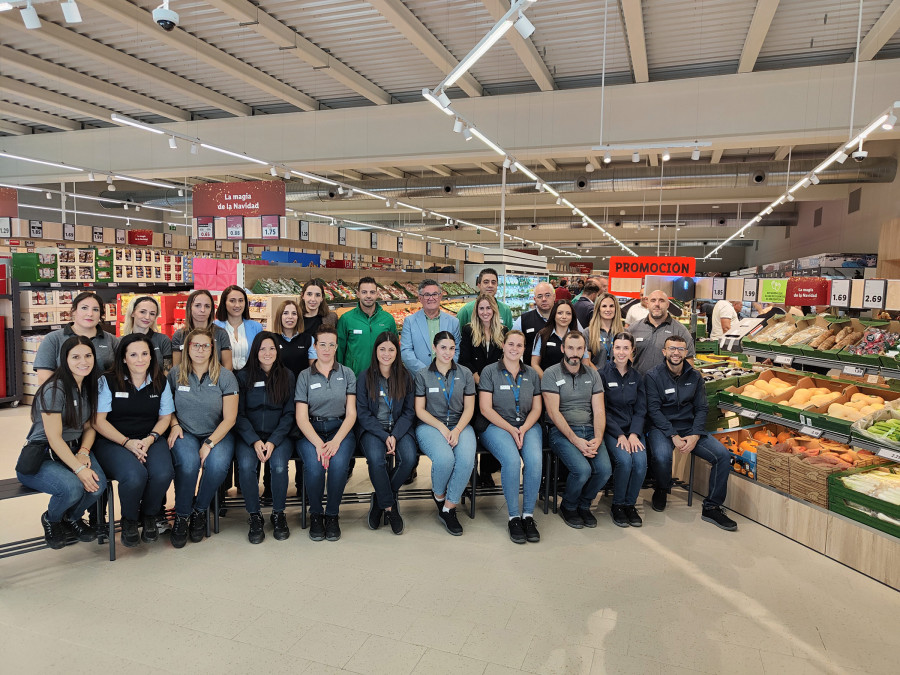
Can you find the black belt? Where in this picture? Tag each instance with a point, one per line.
(325, 419)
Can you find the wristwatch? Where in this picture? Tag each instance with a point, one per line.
(155, 435)
(209, 442)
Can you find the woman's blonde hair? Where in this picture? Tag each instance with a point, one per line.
(129, 312)
(616, 326)
(213, 368)
(479, 339)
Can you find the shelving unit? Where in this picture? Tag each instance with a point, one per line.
(783, 359)
(13, 336)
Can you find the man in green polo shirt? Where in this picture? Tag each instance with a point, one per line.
(358, 328)
(486, 282)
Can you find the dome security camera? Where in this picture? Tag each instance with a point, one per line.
(859, 155)
(165, 17)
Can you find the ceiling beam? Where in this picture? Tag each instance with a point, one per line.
(294, 44)
(654, 158)
(888, 24)
(756, 35)
(524, 48)
(408, 24)
(141, 21)
(69, 39)
(549, 164)
(634, 31)
(440, 169)
(393, 173)
(488, 166)
(38, 117)
(349, 173)
(716, 156)
(54, 99)
(594, 161)
(14, 129)
(46, 69)
(782, 152)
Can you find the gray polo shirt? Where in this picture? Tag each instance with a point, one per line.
(575, 391)
(649, 341)
(326, 396)
(53, 400)
(162, 345)
(198, 405)
(500, 382)
(223, 342)
(47, 357)
(431, 384)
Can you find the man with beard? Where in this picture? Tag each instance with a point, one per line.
(533, 321)
(676, 409)
(651, 333)
(358, 328)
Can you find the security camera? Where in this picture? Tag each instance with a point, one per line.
(859, 155)
(165, 17)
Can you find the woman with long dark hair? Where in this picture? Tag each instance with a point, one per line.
(385, 412)
(198, 316)
(233, 315)
(548, 345)
(140, 317)
(134, 410)
(296, 347)
(264, 422)
(314, 309)
(56, 458)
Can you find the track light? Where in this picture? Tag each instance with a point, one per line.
(172, 143)
(340, 190)
(70, 11)
(607, 157)
(589, 168)
(387, 203)
(90, 176)
(814, 179)
(48, 195)
(666, 156)
(180, 193)
(506, 163)
(636, 157)
(695, 154)
(524, 26)
(790, 197)
(539, 186)
(457, 125)
(349, 192)
(805, 183)
(273, 171)
(194, 149)
(287, 175)
(467, 134)
(30, 16)
(137, 207)
(111, 187)
(889, 122)
(841, 157)
(559, 201)
(512, 168)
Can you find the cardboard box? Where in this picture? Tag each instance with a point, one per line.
(39, 317)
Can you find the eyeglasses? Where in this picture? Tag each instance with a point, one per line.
(677, 349)
(201, 347)
(429, 295)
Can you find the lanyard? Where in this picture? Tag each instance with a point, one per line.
(516, 388)
(447, 390)
(390, 404)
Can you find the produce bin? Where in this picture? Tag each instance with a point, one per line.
(863, 508)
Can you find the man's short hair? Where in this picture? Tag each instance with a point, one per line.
(427, 282)
(486, 270)
(591, 288)
(573, 335)
(674, 338)
(367, 280)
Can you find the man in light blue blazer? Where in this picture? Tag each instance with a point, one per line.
(419, 329)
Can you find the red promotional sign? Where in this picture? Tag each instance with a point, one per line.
(638, 267)
(582, 267)
(249, 199)
(385, 261)
(808, 291)
(140, 237)
(9, 203)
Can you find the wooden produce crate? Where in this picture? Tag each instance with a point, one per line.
(773, 468)
(810, 482)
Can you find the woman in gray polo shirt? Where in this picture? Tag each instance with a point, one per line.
(199, 315)
(326, 413)
(445, 402)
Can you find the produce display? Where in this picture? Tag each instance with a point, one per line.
(409, 288)
(452, 307)
(857, 407)
(886, 429)
(458, 288)
(760, 389)
(836, 339)
(805, 335)
(821, 452)
(723, 372)
(776, 332)
(875, 341)
(277, 287)
(882, 483)
(812, 397)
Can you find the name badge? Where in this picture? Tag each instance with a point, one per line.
(259, 384)
(530, 330)
(560, 383)
(613, 384)
(357, 331)
(504, 387)
(587, 381)
(669, 391)
(121, 394)
(638, 339)
(315, 386)
(551, 344)
(381, 393)
(433, 390)
(183, 388)
(339, 379)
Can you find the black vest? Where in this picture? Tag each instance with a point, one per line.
(136, 415)
(532, 324)
(551, 351)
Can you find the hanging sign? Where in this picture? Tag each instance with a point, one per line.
(234, 227)
(751, 290)
(399, 244)
(96, 234)
(192, 243)
(807, 291)
(218, 244)
(374, 239)
(36, 229)
(631, 267)
(718, 288)
(577, 267)
(69, 231)
(167, 240)
(9, 203)
(5, 228)
(250, 199)
(447, 251)
(342, 236)
(874, 291)
(772, 290)
(427, 248)
(271, 227)
(304, 230)
(140, 237)
(121, 237)
(840, 293)
(205, 228)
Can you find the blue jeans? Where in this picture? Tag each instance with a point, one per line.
(248, 473)
(629, 470)
(387, 483)
(142, 486)
(186, 458)
(707, 448)
(502, 446)
(338, 468)
(68, 498)
(451, 468)
(587, 476)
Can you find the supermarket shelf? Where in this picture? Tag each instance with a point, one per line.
(101, 285)
(782, 359)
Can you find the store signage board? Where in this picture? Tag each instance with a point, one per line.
(772, 290)
(250, 199)
(807, 291)
(97, 234)
(427, 248)
(373, 238)
(167, 240)
(751, 290)
(399, 244)
(271, 227)
(342, 236)
(630, 267)
(874, 291)
(192, 243)
(304, 230)
(205, 228)
(36, 229)
(234, 227)
(840, 293)
(9, 203)
(718, 288)
(447, 251)
(5, 228)
(218, 244)
(579, 267)
(69, 231)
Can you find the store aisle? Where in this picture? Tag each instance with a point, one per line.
(677, 595)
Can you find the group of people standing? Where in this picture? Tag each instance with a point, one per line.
(146, 411)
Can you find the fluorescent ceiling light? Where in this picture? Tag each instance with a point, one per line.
(121, 119)
(488, 41)
(143, 181)
(40, 161)
(70, 11)
(239, 155)
(487, 141)
(88, 213)
(30, 16)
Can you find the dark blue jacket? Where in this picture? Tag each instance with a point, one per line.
(260, 419)
(676, 406)
(367, 410)
(626, 401)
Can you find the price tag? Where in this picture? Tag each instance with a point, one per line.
(872, 379)
(54, 284)
(751, 290)
(5, 228)
(892, 455)
(400, 245)
(142, 284)
(112, 284)
(69, 231)
(97, 234)
(750, 414)
(809, 431)
(304, 230)
(204, 228)
(840, 293)
(56, 327)
(373, 239)
(342, 236)
(167, 240)
(718, 288)
(234, 227)
(854, 370)
(36, 229)
(873, 293)
(784, 360)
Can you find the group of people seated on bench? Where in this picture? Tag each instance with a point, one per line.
(603, 399)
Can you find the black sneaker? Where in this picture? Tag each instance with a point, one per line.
(280, 525)
(587, 517)
(438, 502)
(79, 529)
(149, 531)
(395, 519)
(633, 517)
(130, 535)
(619, 515)
(516, 530)
(375, 514)
(450, 521)
(531, 531)
(257, 532)
(332, 528)
(658, 501)
(179, 533)
(571, 518)
(716, 515)
(317, 526)
(198, 525)
(412, 477)
(162, 523)
(54, 533)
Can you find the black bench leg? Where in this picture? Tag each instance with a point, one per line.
(303, 521)
(546, 494)
(691, 482)
(111, 508)
(473, 486)
(555, 472)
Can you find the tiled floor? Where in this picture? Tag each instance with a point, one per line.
(677, 596)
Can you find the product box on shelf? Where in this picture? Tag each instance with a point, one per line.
(762, 391)
(38, 317)
(37, 298)
(35, 267)
(810, 481)
(743, 447)
(862, 494)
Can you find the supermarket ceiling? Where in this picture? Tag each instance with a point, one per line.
(334, 87)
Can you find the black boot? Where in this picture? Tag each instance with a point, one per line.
(198, 525)
(179, 533)
(54, 533)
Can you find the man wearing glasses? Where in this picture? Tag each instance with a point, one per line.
(676, 410)
(650, 334)
(533, 321)
(419, 329)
